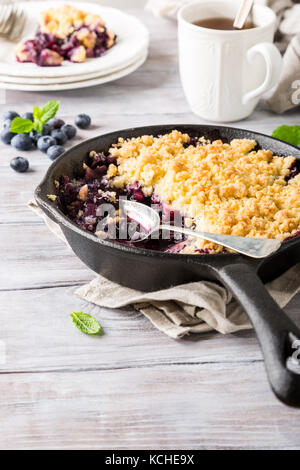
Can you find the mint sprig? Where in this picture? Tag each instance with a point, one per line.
(43, 115)
(86, 323)
(40, 117)
(290, 134)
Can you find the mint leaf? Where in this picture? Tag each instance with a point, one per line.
(86, 323)
(37, 123)
(36, 112)
(42, 115)
(21, 126)
(290, 134)
(38, 126)
(48, 111)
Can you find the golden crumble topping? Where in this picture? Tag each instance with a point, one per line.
(220, 188)
(64, 20)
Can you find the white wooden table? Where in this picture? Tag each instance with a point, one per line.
(132, 388)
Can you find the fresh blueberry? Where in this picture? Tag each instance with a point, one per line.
(60, 137)
(69, 130)
(7, 124)
(83, 121)
(55, 151)
(47, 129)
(10, 115)
(27, 116)
(21, 142)
(19, 164)
(34, 136)
(45, 142)
(6, 136)
(56, 123)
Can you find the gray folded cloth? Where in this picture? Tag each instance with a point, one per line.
(287, 94)
(196, 307)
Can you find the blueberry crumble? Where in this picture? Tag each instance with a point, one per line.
(228, 188)
(66, 33)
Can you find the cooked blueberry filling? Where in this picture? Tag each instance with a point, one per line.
(46, 50)
(82, 197)
(294, 170)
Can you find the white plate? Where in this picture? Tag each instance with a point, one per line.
(67, 79)
(132, 40)
(76, 84)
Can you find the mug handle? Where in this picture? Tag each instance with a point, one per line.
(273, 62)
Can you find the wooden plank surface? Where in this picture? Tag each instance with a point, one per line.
(136, 408)
(133, 387)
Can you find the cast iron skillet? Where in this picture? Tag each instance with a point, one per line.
(148, 270)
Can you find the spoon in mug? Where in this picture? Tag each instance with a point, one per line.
(243, 13)
(149, 221)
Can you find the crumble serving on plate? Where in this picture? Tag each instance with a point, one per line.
(66, 33)
(227, 188)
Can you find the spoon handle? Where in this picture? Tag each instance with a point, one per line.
(252, 247)
(243, 13)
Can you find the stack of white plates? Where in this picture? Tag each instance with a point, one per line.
(129, 53)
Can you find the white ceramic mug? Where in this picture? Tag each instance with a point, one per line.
(224, 73)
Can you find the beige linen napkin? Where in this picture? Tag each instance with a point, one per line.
(196, 307)
(287, 94)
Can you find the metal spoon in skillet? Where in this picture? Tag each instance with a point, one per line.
(149, 220)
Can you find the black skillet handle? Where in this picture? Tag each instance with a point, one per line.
(278, 336)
